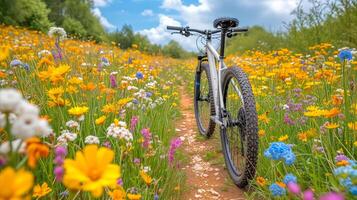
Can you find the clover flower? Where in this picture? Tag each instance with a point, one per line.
(280, 150)
(91, 139)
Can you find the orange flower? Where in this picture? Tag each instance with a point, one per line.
(261, 181)
(343, 163)
(35, 150)
(281, 184)
(332, 113)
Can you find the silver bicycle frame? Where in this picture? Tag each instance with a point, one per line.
(216, 79)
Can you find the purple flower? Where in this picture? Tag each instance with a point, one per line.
(147, 137)
(58, 160)
(61, 151)
(133, 122)
(120, 181)
(58, 171)
(332, 196)
(107, 144)
(113, 82)
(288, 120)
(2, 160)
(175, 143)
(308, 195)
(341, 157)
(293, 188)
(137, 161)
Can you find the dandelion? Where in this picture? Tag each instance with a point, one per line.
(15, 184)
(41, 190)
(57, 32)
(91, 170)
(175, 143)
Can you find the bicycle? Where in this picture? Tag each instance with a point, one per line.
(223, 96)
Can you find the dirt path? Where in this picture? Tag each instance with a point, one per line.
(206, 176)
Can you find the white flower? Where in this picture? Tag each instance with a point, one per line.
(146, 169)
(91, 139)
(9, 99)
(43, 129)
(285, 107)
(2, 120)
(25, 107)
(132, 88)
(65, 137)
(72, 124)
(12, 118)
(16, 145)
(25, 126)
(57, 32)
(119, 132)
(40, 54)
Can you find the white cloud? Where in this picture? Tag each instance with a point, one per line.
(147, 12)
(101, 3)
(102, 19)
(159, 34)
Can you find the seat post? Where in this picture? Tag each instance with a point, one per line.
(223, 41)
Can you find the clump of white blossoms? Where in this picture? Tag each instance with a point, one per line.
(118, 130)
(91, 139)
(57, 32)
(65, 137)
(73, 124)
(22, 115)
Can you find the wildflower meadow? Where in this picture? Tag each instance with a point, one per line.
(81, 119)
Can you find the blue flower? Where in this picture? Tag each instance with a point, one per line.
(345, 54)
(280, 150)
(15, 63)
(148, 94)
(156, 197)
(353, 190)
(346, 175)
(276, 190)
(135, 101)
(290, 178)
(139, 75)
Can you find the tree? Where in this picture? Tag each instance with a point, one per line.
(30, 13)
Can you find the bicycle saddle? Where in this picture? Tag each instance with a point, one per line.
(225, 22)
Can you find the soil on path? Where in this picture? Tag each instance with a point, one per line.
(206, 176)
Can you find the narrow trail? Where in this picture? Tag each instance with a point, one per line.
(206, 176)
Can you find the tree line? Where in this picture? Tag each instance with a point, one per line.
(79, 21)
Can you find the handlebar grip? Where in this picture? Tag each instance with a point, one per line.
(176, 28)
(240, 30)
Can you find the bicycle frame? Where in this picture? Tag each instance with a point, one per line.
(216, 79)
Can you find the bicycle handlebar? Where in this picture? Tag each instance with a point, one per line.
(186, 30)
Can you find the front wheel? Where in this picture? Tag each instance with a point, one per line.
(240, 137)
(203, 101)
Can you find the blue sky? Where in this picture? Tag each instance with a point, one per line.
(150, 17)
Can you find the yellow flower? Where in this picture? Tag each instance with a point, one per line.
(283, 138)
(331, 125)
(352, 125)
(41, 190)
(355, 143)
(261, 133)
(118, 194)
(134, 196)
(91, 170)
(302, 136)
(109, 108)
(261, 181)
(147, 179)
(123, 102)
(100, 120)
(78, 110)
(4, 52)
(55, 93)
(15, 184)
(264, 117)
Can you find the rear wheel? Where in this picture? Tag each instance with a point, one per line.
(204, 102)
(240, 137)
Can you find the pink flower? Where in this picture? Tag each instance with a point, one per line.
(332, 196)
(175, 143)
(308, 195)
(147, 137)
(133, 123)
(293, 188)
